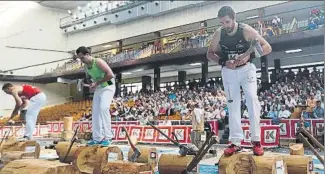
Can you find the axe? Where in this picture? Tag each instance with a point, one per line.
(183, 150)
(74, 139)
(136, 152)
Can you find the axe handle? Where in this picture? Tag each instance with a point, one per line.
(3, 138)
(162, 133)
(129, 139)
(200, 150)
(199, 156)
(72, 142)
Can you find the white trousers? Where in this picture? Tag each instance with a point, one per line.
(101, 117)
(34, 106)
(245, 77)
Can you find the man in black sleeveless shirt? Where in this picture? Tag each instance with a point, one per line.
(227, 48)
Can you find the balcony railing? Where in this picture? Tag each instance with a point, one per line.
(294, 21)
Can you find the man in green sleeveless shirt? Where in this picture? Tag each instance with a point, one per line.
(103, 83)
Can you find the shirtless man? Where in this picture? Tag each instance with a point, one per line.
(30, 96)
(227, 48)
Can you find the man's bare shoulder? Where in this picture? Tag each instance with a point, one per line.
(246, 27)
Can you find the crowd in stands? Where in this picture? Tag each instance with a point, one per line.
(292, 96)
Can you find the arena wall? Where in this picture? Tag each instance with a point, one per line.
(30, 25)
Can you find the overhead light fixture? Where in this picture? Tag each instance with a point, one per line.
(293, 51)
(252, 17)
(126, 73)
(106, 46)
(69, 11)
(195, 64)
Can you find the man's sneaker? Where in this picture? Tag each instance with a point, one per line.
(231, 149)
(257, 148)
(105, 143)
(93, 142)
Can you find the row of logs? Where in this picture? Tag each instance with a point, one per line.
(100, 160)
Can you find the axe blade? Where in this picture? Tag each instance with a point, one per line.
(136, 154)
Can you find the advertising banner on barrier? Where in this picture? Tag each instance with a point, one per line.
(136, 131)
(265, 122)
(247, 137)
(149, 134)
(166, 130)
(294, 126)
(114, 132)
(50, 127)
(56, 127)
(284, 127)
(121, 135)
(270, 136)
(318, 127)
(181, 132)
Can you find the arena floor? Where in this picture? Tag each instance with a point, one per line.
(206, 166)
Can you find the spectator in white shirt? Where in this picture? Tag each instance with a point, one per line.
(284, 112)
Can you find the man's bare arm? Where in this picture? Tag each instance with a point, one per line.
(214, 47)
(252, 34)
(108, 71)
(19, 103)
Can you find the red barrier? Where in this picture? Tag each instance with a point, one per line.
(181, 133)
(294, 127)
(166, 130)
(149, 134)
(318, 127)
(285, 129)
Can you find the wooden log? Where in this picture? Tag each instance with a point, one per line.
(296, 149)
(126, 167)
(145, 154)
(67, 135)
(38, 166)
(67, 123)
(173, 163)
(297, 164)
(85, 159)
(113, 153)
(62, 148)
(246, 162)
(239, 163)
(148, 155)
(25, 146)
(6, 157)
(281, 165)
